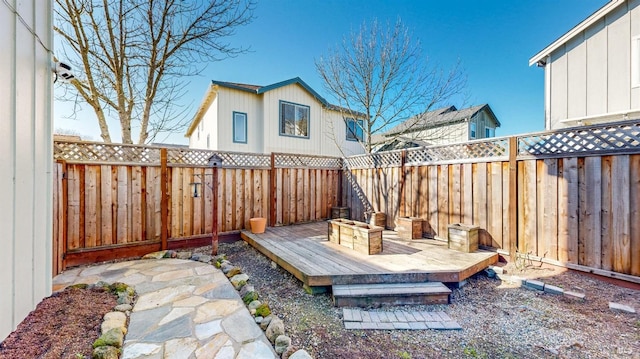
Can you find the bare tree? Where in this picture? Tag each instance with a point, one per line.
(380, 72)
(135, 55)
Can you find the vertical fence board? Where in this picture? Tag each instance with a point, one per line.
(568, 192)
(496, 210)
(592, 216)
(506, 210)
(467, 193)
(634, 199)
(91, 232)
(137, 209)
(529, 213)
(124, 224)
(607, 215)
(620, 214)
(433, 199)
(550, 209)
(455, 196)
(443, 200)
(480, 194)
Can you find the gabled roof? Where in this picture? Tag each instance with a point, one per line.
(262, 89)
(592, 19)
(257, 89)
(439, 117)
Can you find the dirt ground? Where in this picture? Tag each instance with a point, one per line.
(64, 325)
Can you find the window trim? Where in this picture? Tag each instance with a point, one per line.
(245, 126)
(472, 130)
(635, 61)
(355, 138)
(280, 102)
(487, 131)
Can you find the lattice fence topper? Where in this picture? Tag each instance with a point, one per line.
(286, 160)
(190, 157)
(598, 139)
(482, 149)
(105, 152)
(375, 160)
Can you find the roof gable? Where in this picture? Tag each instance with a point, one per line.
(592, 19)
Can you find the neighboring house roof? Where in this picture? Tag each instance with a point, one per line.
(576, 30)
(439, 117)
(257, 89)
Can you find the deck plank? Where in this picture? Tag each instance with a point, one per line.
(304, 251)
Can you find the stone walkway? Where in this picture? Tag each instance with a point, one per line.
(185, 309)
(413, 320)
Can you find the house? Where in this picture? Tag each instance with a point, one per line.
(438, 127)
(26, 148)
(592, 73)
(286, 117)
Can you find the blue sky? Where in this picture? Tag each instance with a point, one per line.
(493, 40)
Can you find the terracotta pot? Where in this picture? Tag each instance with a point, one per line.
(258, 225)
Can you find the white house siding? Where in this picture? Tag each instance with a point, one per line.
(230, 100)
(590, 75)
(25, 159)
(274, 142)
(334, 136)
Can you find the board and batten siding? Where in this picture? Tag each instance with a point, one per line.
(25, 159)
(230, 101)
(274, 142)
(589, 77)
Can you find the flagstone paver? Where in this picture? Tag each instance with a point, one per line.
(185, 309)
(397, 320)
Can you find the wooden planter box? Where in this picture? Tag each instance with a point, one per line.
(340, 212)
(462, 237)
(378, 219)
(367, 238)
(362, 237)
(409, 227)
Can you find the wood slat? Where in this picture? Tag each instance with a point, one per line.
(621, 231)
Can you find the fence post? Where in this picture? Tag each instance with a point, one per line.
(214, 226)
(164, 201)
(272, 191)
(513, 197)
(65, 215)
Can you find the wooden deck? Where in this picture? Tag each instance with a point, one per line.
(304, 251)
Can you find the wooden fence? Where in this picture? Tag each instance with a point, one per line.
(569, 197)
(109, 200)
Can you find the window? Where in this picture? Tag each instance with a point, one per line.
(239, 127)
(354, 130)
(489, 132)
(294, 119)
(472, 130)
(208, 142)
(635, 61)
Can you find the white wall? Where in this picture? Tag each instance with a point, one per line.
(590, 76)
(25, 159)
(231, 100)
(273, 141)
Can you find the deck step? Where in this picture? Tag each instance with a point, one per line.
(365, 295)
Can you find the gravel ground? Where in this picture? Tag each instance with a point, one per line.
(498, 319)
